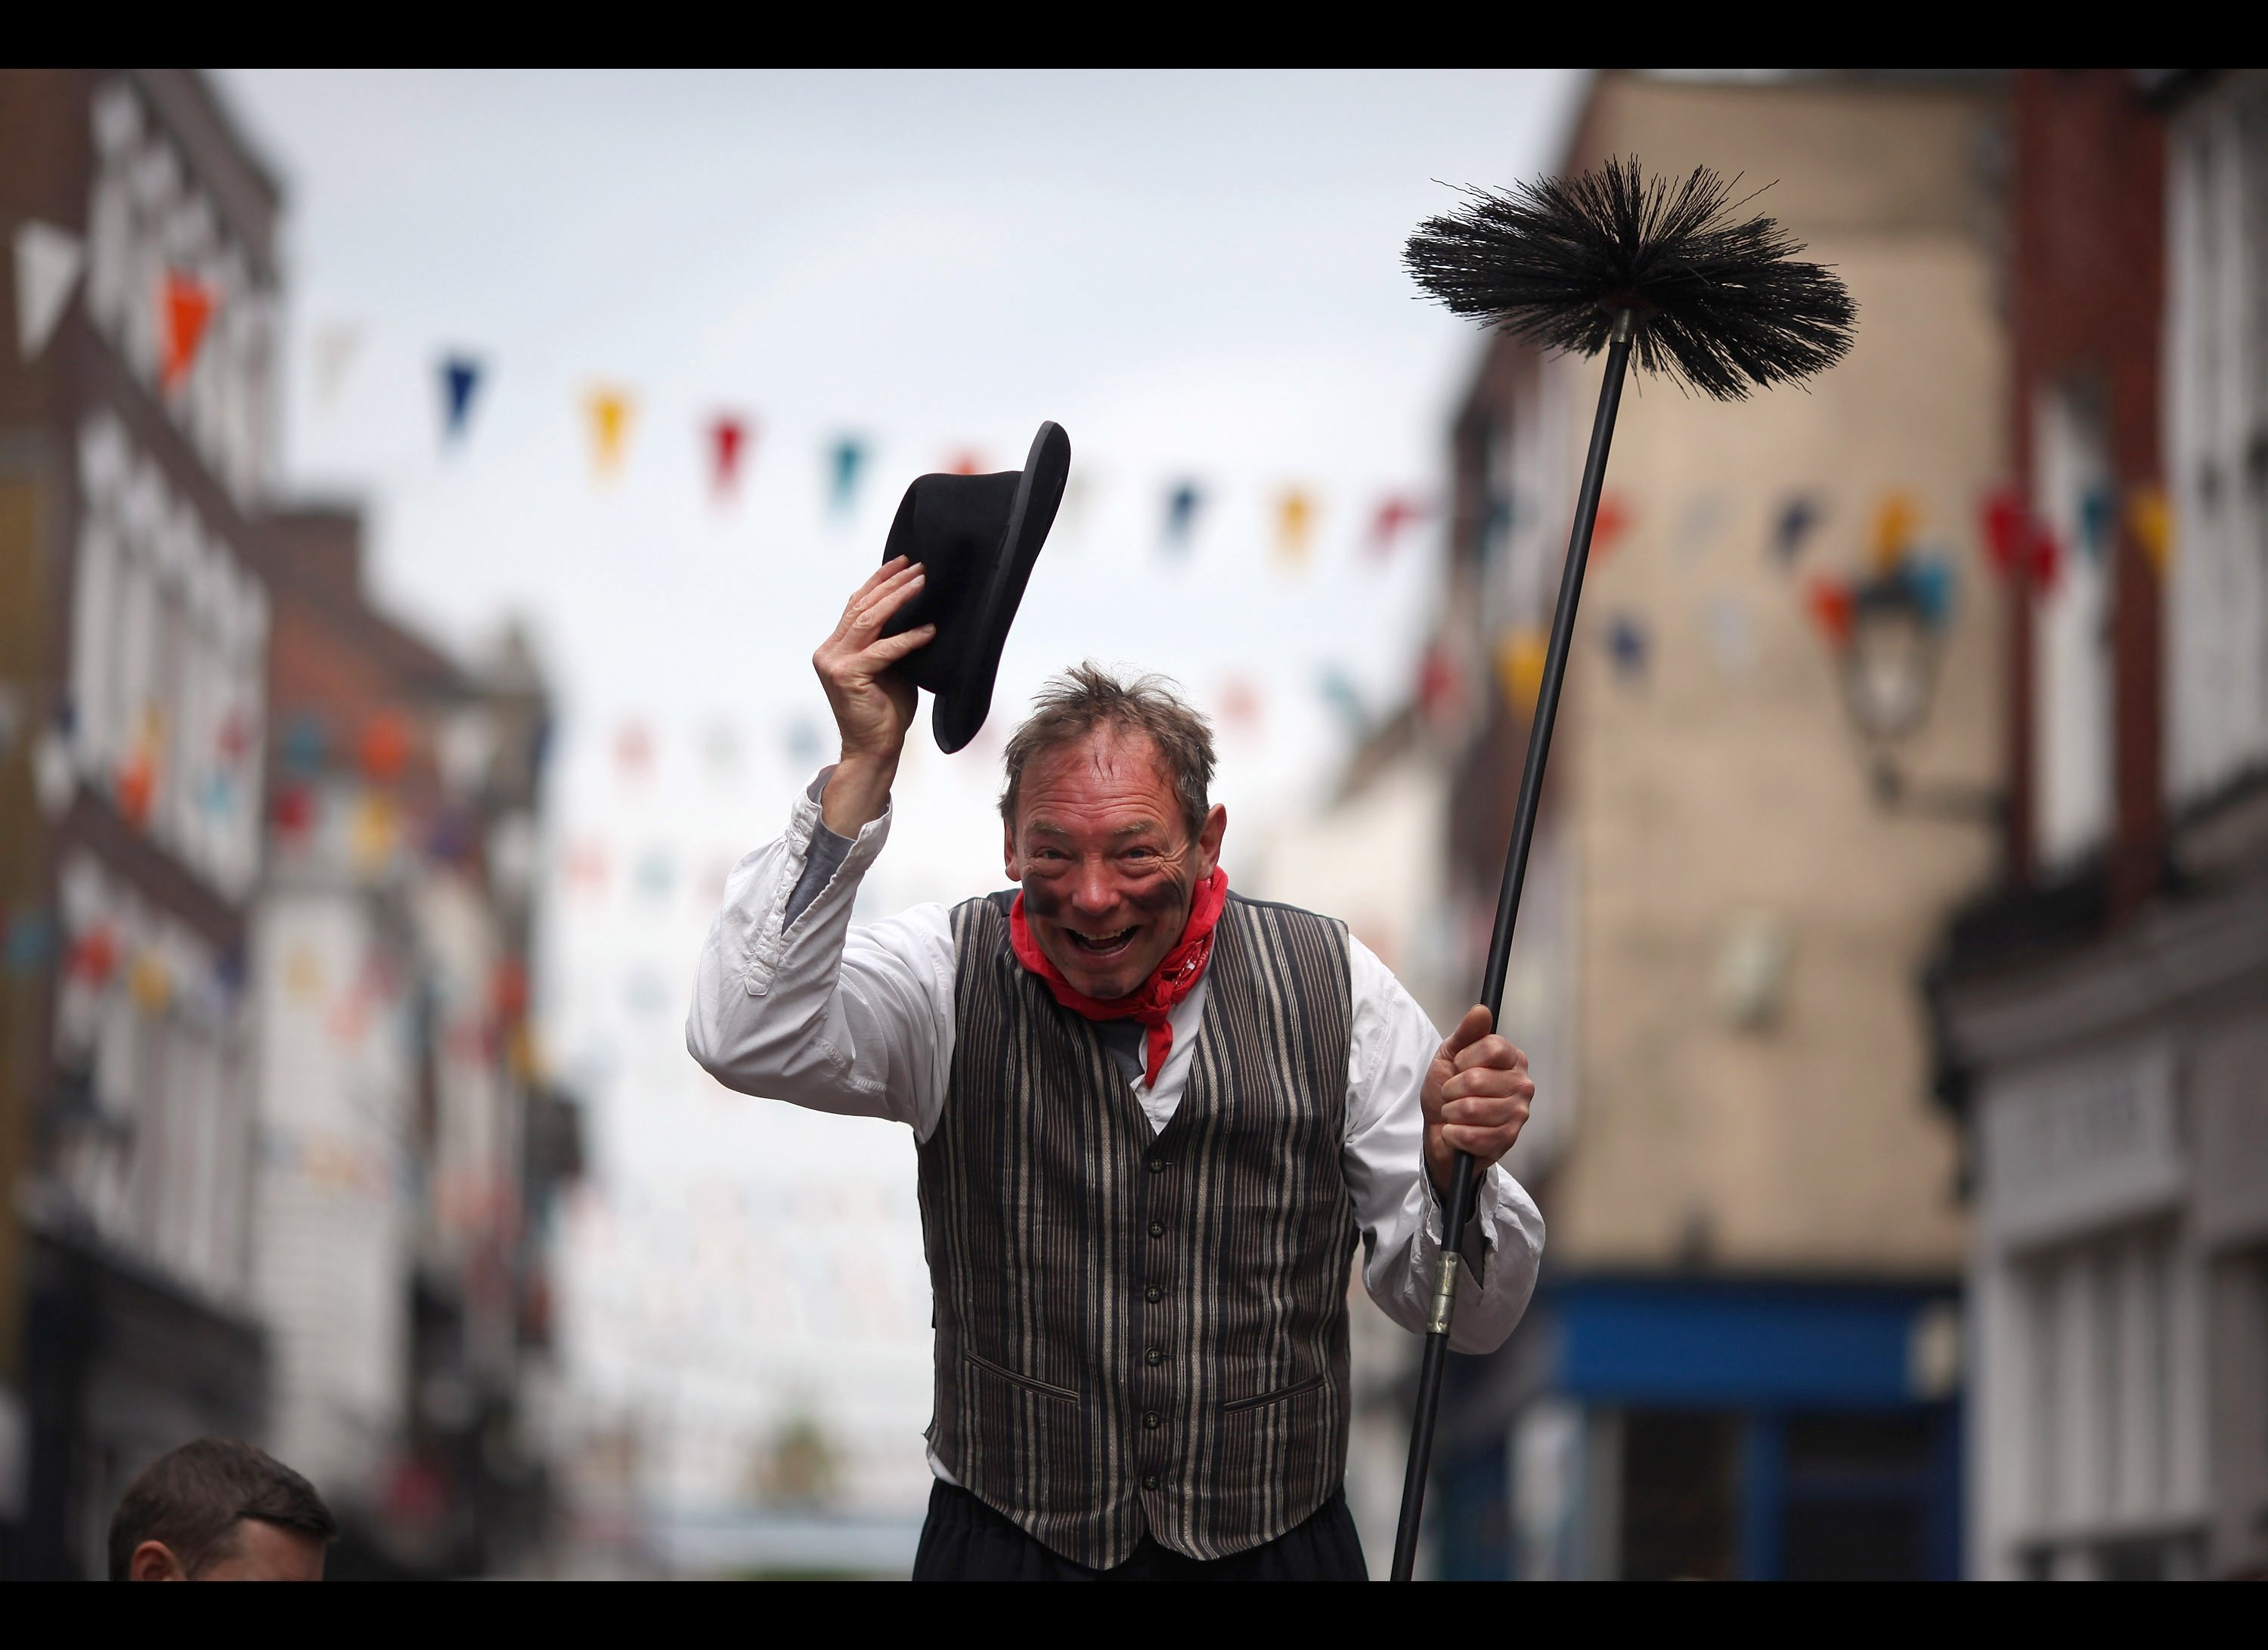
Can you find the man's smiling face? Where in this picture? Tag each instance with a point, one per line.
(1106, 859)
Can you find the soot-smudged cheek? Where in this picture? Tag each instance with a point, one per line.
(1154, 897)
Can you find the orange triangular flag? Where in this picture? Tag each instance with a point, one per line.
(610, 419)
(186, 305)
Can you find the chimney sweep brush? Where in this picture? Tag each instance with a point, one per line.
(1605, 261)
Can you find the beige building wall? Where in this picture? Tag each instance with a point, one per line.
(1720, 807)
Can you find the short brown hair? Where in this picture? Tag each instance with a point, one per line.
(194, 1498)
(1085, 697)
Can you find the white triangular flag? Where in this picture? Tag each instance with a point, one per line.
(334, 352)
(47, 265)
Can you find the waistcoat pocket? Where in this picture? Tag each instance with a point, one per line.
(1044, 1388)
(1276, 1396)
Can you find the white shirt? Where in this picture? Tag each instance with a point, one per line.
(860, 1021)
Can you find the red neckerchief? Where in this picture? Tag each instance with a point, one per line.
(1155, 998)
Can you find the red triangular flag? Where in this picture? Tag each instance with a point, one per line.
(727, 439)
(186, 305)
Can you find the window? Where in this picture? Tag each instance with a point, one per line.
(2217, 613)
(2075, 499)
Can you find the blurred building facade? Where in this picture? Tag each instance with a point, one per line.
(1743, 1358)
(409, 1146)
(276, 1145)
(2103, 1010)
(135, 472)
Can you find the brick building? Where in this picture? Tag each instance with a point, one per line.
(405, 1142)
(135, 419)
(2102, 1012)
(1743, 1356)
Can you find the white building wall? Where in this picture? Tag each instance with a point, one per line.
(337, 1082)
(2216, 407)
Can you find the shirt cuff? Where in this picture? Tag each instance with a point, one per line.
(1480, 1230)
(803, 825)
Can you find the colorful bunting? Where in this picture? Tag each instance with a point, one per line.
(94, 957)
(609, 408)
(2019, 546)
(377, 831)
(460, 378)
(1295, 521)
(185, 307)
(967, 461)
(136, 783)
(1832, 605)
(1239, 705)
(150, 983)
(1615, 519)
(656, 872)
(1627, 645)
(2150, 518)
(48, 263)
(634, 750)
(1340, 693)
(385, 750)
(1797, 518)
(1520, 654)
(292, 812)
(306, 743)
(1396, 512)
(729, 438)
(848, 464)
(586, 867)
(2098, 519)
(804, 743)
(1896, 518)
(1181, 506)
(1437, 683)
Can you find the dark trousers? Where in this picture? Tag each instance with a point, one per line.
(964, 1539)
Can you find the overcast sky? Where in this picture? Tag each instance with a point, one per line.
(1198, 275)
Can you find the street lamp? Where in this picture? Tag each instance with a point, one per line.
(1889, 632)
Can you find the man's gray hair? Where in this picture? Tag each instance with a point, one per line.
(1085, 697)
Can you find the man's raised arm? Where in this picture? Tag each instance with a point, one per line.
(789, 1003)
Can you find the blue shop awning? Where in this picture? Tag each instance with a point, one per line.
(1705, 1344)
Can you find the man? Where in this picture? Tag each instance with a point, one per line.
(1152, 1118)
(216, 1510)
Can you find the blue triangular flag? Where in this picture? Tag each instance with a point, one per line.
(460, 376)
(1181, 506)
(849, 459)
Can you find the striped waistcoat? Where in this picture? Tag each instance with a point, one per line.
(1140, 1332)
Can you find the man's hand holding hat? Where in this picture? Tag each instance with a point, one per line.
(872, 707)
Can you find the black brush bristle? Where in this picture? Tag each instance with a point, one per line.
(1723, 306)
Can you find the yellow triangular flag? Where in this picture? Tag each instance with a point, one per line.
(610, 410)
(1520, 658)
(1295, 521)
(2150, 518)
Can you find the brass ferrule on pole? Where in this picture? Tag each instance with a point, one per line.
(1444, 1294)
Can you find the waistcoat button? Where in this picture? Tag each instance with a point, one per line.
(1150, 1481)
(1153, 1356)
(1157, 1228)
(1157, 1166)
(1153, 1420)
(1153, 1294)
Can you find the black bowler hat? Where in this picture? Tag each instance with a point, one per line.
(978, 536)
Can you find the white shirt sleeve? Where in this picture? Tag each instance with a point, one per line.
(857, 1021)
(1400, 1218)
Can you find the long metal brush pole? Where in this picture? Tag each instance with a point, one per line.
(1500, 954)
